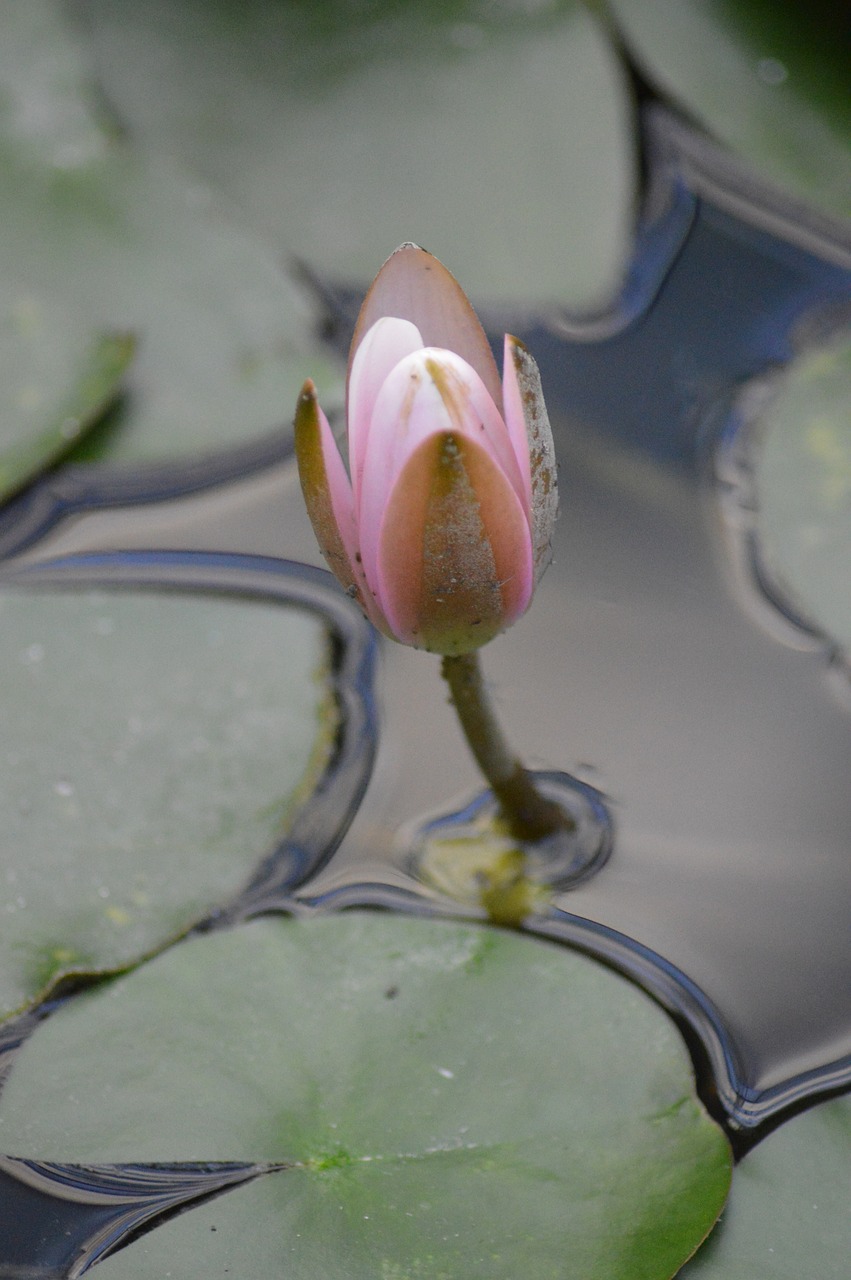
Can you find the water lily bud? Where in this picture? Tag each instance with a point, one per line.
(443, 524)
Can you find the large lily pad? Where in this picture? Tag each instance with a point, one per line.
(123, 240)
(498, 136)
(152, 750)
(449, 1100)
(770, 80)
(788, 1215)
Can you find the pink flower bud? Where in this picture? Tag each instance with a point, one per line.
(444, 523)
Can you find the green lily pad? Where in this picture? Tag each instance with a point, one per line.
(500, 137)
(769, 80)
(787, 1216)
(153, 748)
(123, 240)
(804, 485)
(55, 385)
(449, 1100)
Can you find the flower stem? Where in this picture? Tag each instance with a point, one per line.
(530, 816)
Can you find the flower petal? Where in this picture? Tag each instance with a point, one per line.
(529, 428)
(427, 393)
(455, 555)
(383, 346)
(472, 411)
(328, 498)
(415, 286)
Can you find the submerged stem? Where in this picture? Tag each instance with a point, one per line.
(530, 816)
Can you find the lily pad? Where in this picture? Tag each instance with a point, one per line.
(500, 137)
(126, 241)
(152, 750)
(55, 385)
(48, 108)
(448, 1099)
(788, 1214)
(770, 80)
(804, 480)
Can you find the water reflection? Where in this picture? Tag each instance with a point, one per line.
(59, 1220)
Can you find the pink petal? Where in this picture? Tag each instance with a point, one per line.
(531, 435)
(427, 393)
(383, 346)
(328, 498)
(415, 286)
(455, 555)
(472, 410)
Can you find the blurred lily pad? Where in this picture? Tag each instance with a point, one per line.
(127, 241)
(787, 1216)
(768, 79)
(152, 750)
(55, 384)
(448, 1100)
(804, 479)
(501, 137)
(48, 108)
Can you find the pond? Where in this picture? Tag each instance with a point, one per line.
(661, 668)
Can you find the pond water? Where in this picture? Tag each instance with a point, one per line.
(654, 668)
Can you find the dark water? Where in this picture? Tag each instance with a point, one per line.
(657, 666)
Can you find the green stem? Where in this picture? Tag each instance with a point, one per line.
(530, 816)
